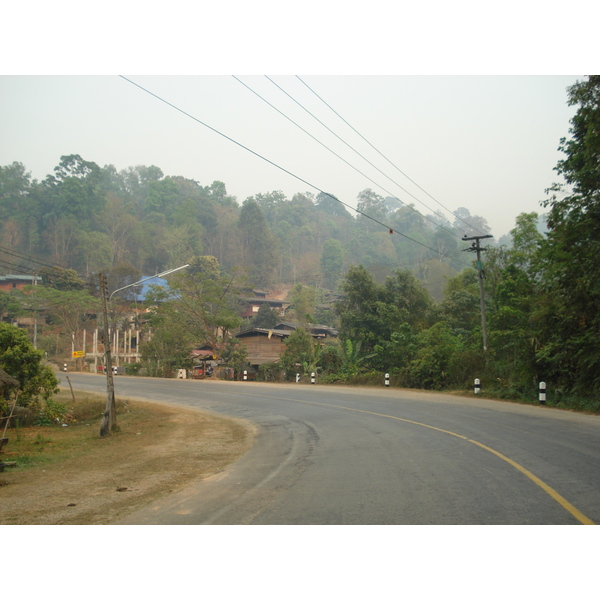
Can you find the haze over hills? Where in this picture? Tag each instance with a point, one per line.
(91, 218)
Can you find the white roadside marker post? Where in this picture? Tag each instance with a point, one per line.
(542, 392)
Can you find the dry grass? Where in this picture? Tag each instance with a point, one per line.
(68, 475)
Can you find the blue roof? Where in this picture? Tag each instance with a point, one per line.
(144, 288)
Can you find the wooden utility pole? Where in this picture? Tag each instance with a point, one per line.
(475, 247)
(109, 419)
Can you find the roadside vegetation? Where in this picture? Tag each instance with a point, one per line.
(68, 432)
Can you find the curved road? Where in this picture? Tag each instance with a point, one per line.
(336, 455)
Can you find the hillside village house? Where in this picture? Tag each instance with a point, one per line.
(267, 345)
(17, 282)
(253, 304)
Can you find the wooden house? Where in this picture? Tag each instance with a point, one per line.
(256, 298)
(263, 345)
(267, 345)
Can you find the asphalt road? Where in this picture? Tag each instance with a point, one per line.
(336, 455)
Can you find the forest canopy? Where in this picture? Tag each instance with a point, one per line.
(90, 218)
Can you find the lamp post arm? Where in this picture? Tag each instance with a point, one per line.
(146, 279)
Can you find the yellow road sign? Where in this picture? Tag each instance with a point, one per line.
(78, 354)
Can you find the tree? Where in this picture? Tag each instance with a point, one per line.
(120, 276)
(266, 317)
(331, 205)
(22, 361)
(434, 362)
(299, 354)
(570, 351)
(373, 205)
(169, 347)
(372, 313)
(75, 189)
(460, 306)
(202, 302)
(332, 263)
(235, 355)
(526, 243)
(258, 244)
(163, 196)
(303, 299)
(357, 309)
(269, 203)
(15, 185)
(9, 305)
(217, 192)
(470, 224)
(407, 294)
(352, 358)
(117, 223)
(65, 280)
(72, 309)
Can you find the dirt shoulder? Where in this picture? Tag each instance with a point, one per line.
(159, 449)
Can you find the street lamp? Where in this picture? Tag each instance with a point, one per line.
(167, 272)
(109, 420)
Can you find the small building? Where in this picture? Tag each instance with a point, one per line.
(267, 345)
(263, 345)
(17, 282)
(7, 383)
(252, 306)
(203, 358)
(317, 331)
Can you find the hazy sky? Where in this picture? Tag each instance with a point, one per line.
(488, 143)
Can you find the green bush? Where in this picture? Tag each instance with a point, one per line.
(133, 368)
(270, 372)
(22, 361)
(52, 413)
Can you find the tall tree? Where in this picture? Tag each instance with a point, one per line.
(75, 189)
(373, 205)
(15, 184)
(65, 280)
(571, 348)
(258, 244)
(332, 263)
(203, 302)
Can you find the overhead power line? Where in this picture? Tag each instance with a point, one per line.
(385, 157)
(357, 152)
(23, 256)
(390, 229)
(16, 269)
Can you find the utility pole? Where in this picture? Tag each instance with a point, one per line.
(109, 419)
(34, 313)
(475, 247)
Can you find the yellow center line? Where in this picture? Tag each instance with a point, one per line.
(544, 486)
